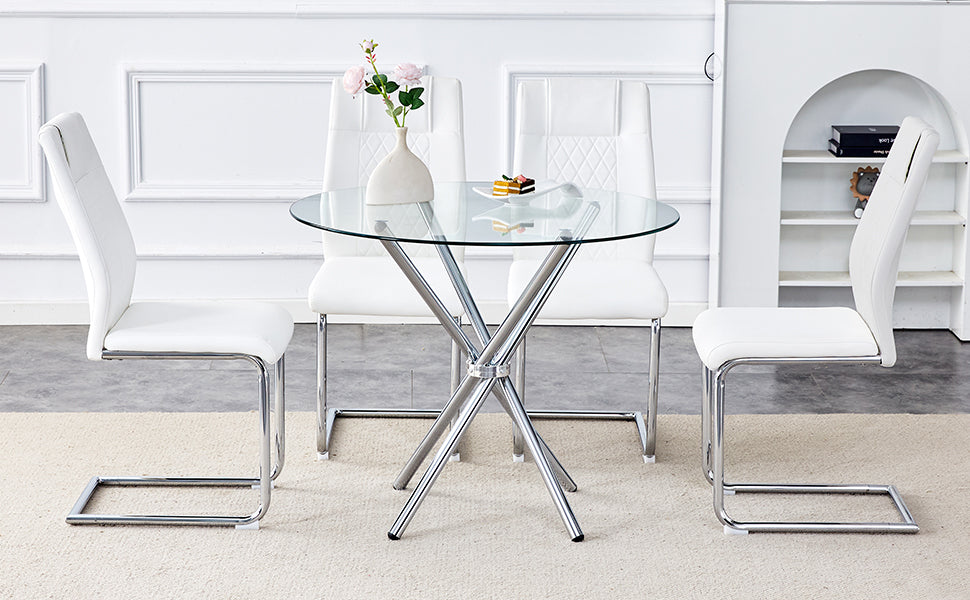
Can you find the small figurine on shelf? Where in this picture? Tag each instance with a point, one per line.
(863, 180)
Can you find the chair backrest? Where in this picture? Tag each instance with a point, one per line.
(593, 132)
(878, 240)
(361, 134)
(97, 223)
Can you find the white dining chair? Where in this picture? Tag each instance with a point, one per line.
(593, 132)
(122, 329)
(357, 276)
(729, 337)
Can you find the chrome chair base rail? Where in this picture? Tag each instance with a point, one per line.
(78, 517)
(263, 483)
(598, 415)
(712, 447)
(326, 416)
(907, 525)
(378, 413)
(646, 426)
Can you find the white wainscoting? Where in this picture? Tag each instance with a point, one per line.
(259, 131)
(211, 117)
(21, 114)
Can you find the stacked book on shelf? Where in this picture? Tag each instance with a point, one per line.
(862, 141)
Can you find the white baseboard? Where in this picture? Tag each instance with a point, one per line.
(76, 313)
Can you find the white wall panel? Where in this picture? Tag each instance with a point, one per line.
(210, 117)
(21, 113)
(238, 135)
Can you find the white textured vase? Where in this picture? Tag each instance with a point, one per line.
(401, 178)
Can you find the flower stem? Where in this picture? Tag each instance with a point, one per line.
(404, 114)
(387, 101)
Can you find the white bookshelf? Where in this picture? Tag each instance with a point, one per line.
(786, 207)
(826, 157)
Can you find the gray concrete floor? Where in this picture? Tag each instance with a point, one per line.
(44, 368)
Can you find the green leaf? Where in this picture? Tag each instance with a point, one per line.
(398, 110)
(417, 103)
(416, 92)
(391, 87)
(379, 79)
(404, 97)
(389, 113)
(372, 90)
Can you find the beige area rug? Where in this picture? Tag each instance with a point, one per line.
(489, 529)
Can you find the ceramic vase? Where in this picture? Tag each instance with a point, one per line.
(401, 177)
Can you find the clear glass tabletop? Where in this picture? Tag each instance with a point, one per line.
(467, 214)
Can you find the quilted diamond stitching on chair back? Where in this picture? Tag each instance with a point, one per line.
(586, 131)
(586, 161)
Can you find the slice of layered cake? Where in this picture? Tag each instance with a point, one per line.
(500, 187)
(526, 185)
(508, 186)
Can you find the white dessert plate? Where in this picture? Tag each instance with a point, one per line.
(542, 188)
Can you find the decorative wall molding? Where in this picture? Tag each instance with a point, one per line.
(179, 254)
(33, 187)
(329, 9)
(473, 253)
(515, 9)
(684, 194)
(268, 191)
(47, 312)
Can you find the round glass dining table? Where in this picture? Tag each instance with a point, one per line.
(559, 216)
(467, 214)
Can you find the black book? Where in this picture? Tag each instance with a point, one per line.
(865, 135)
(857, 151)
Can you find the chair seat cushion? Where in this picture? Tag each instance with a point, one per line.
(256, 328)
(374, 285)
(723, 334)
(597, 289)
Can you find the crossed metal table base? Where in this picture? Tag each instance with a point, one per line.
(488, 368)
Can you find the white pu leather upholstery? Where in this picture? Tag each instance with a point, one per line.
(374, 285)
(232, 327)
(726, 334)
(96, 221)
(596, 133)
(107, 253)
(878, 241)
(357, 276)
(642, 296)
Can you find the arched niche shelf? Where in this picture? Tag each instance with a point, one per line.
(873, 97)
(816, 219)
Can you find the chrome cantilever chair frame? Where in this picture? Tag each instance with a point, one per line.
(645, 421)
(206, 330)
(712, 447)
(726, 338)
(264, 483)
(327, 415)
(628, 132)
(442, 121)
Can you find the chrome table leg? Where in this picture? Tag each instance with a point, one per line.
(517, 440)
(489, 367)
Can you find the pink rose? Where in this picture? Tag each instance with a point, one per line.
(407, 74)
(368, 46)
(354, 80)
